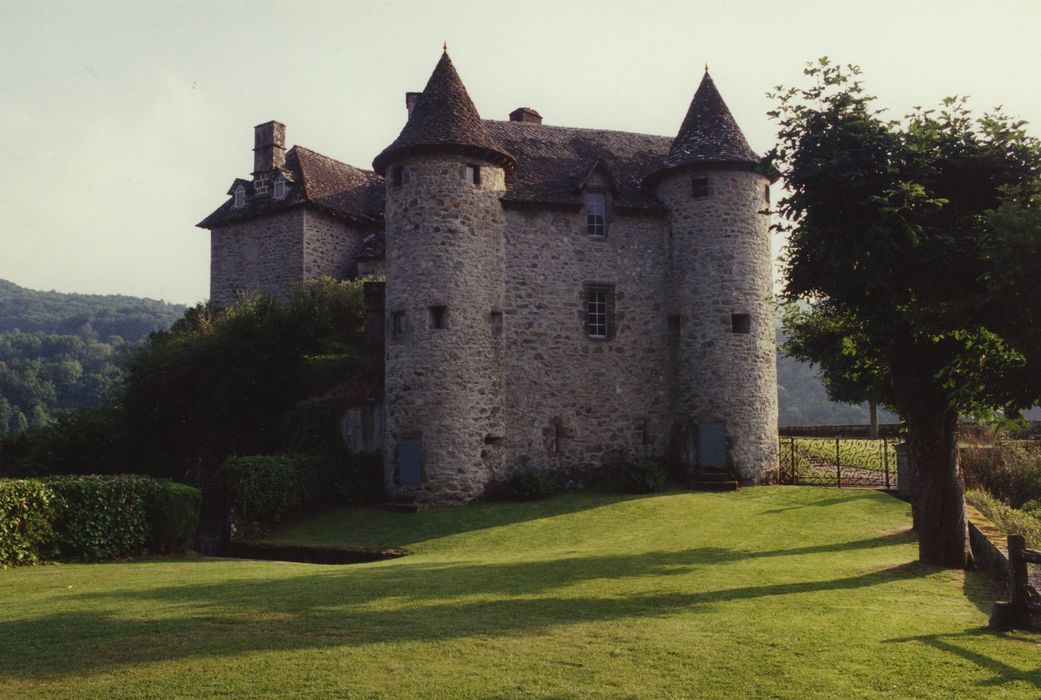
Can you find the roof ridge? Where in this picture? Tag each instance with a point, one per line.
(580, 128)
(335, 160)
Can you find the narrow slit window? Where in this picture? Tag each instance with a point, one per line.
(596, 214)
(397, 176)
(699, 187)
(766, 193)
(740, 323)
(397, 324)
(473, 174)
(673, 328)
(438, 317)
(495, 320)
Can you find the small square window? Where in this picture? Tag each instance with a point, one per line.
(599, 312)
(699, 187)
(397, 176)
(596, 214)
(397, 324)
(472, 174)
(740, 323)
(437, 317)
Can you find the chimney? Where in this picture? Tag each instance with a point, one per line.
(411, 98)
(269, 147)
(525, 114)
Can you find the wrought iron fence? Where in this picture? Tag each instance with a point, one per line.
(814, 461)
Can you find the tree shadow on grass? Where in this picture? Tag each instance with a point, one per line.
(955, 645)
(848, 497)
(361, 605)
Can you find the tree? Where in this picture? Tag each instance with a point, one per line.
(896, 232)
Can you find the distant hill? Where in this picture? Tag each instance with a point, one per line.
(85, 315)
(60, 351)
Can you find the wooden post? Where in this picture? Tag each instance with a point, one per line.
(838, 465)
(1017, 565)
(885, 460)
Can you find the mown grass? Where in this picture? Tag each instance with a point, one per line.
(768, 592)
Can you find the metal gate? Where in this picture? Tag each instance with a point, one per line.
(838, 461)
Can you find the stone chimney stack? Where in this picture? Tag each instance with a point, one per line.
(269, 147)
(411, 98)
(525, 114)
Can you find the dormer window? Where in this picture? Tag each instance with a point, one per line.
(280, 187)
(240, 197)
(261, 185)
(596, 214)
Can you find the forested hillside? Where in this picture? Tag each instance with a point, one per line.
(59, 351)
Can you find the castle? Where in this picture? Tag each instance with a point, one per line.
(555, 297)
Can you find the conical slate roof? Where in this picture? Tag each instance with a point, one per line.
(444, 118)
(709, 136)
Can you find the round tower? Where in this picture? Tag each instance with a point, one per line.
(444, 297)
(724, 397)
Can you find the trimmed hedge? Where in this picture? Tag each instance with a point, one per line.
(174, 513)
(93, 517)
(264, 489)
(529, 484)
(26, 520)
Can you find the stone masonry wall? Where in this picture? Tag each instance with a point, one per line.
(720, 266)
(331, 246)
(258, 255)
(444, 386)
(573, 403)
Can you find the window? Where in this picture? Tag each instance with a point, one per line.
(397, 324)
(280, 187)
(673, 328)
(397, 176)
(496, 322)
(240, 197)
(261, 184)
(437, 317)
(740, 323)
(599, 311)
(699, 187)
(766, 193)
(472, 174)
(596, 214)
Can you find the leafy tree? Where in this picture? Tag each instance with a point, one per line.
(895, 236)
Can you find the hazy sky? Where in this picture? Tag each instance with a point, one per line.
(122, 124)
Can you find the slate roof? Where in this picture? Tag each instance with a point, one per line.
(338, 188)
(444, 117)
(709, 136)
(554, 162)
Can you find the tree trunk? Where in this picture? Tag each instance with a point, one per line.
(873, 412)
(943, 536)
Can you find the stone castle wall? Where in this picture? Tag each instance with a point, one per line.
(257, 255)
(444, 385)
(574, 403)
(720, 266)
(331, 246)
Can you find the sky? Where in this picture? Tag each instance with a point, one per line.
(122, 124)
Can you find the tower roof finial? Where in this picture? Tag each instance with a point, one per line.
(706, 67)
(444, 49)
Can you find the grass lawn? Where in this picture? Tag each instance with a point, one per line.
(767, 592)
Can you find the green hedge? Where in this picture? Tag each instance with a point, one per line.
(1012, 521)
(93, 517)
(264, 489)
(641, 476)
(26, 520)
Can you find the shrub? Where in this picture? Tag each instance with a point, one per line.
(1011, 520)
(26, 514)
(642, 476)
(529, 484)
(361, 480)
(174, 514)
(101, 517)
(1010, 471)
(264, 489)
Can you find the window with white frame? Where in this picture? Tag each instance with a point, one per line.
(261, 184)
(599, 311)
(596, 214)
(280, 188)
(240, 197)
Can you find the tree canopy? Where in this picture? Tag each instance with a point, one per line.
(900, 235)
